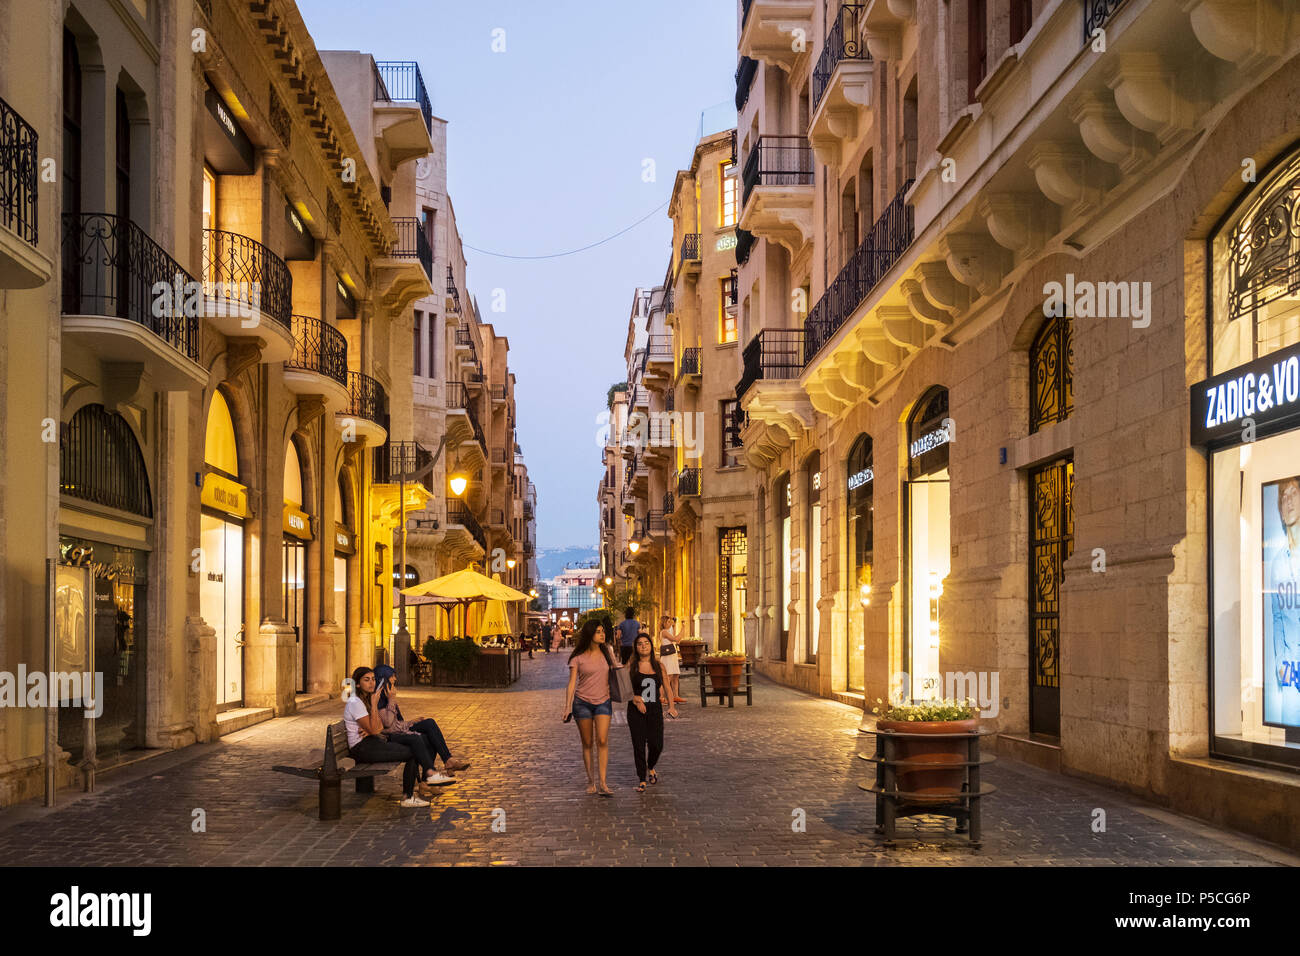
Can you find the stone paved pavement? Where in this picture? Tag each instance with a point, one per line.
(732, 780)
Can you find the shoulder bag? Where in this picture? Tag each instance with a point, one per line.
(620, 681)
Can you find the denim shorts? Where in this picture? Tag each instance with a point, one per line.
(585, 711)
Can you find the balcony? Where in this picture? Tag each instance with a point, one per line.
(396, 459)
(659, 360)
(500, 457)
(319, 364)
(773, 354)
(22, 264)
(464, 431)
(778, 191)
(690, 368)
(656, 524)
(770, 30)
(689, 260)
(110, 269)
(452, 303)
(745, 74)
(406, 273)
(403, 111)
(884, 245)
(842, 88)
(247, 291)
(499, 394)
(465, 536)
(688, 483)
(366, 412)
(413, 243)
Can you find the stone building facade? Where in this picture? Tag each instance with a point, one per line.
(1025, 235)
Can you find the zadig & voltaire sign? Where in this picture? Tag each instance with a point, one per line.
(1266, 392)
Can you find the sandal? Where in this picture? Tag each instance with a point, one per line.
(640, 787)
(591, 787)
(654, 777)
(605, 792)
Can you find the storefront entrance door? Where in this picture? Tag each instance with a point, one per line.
(295, 604)
(221, 602)
(1051, 541)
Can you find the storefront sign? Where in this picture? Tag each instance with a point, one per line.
(224, 495)
(343, 541)
(929, 441)
(858, 479)
(297, 522)
(726, 242)
(1261, 396)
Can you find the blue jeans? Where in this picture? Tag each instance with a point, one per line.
(585, 711)
(379, 750)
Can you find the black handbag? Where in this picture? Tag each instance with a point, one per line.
(668, 650)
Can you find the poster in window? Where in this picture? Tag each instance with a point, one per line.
(1281, 546)
(73, 610)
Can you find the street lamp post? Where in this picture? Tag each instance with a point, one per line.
(402, 639)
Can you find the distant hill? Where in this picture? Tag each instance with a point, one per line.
(551, 561)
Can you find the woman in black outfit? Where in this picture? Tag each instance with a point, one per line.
(645, 711)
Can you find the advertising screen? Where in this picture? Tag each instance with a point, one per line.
(1281, 551)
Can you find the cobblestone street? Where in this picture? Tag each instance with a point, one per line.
(731, 783)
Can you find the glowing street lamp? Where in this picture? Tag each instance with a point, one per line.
(634, 546)
(510, 563)
(458, 484)
(608, 581)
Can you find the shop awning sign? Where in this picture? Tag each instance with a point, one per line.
(225, 495)
(297, 522)
(1262, 396)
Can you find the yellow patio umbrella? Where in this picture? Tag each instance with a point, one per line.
(492, 618)
(466, 587)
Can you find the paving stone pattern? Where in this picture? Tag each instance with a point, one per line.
(731, 782)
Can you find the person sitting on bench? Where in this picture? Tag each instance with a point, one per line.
(366, 743)
(417, 733)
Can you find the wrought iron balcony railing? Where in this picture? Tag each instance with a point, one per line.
(242, 271)
(413, 243)
(772, 354)
(456, 395)
(500, 456)
(110, 268)
(395, 459)
(690, 362)
(366, 398)
(688, 482)
(659, 348)
(402, 82)
(319, 347)
(745, 74)
(1095, 15)
(778, 161)
(656, 523)
(668, 503)
(744, 245)
(691, 247)
(452, 290)
(18, 162)
(884, 245)
(478, 429)
(498, 393)
(463, 336)
(458, 513)
(842, 43)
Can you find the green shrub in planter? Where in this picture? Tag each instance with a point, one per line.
(456, 654)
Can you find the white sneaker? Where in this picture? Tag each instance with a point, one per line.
(414, 801)
(437, 779)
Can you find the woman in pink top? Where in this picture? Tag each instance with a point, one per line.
(587, 701)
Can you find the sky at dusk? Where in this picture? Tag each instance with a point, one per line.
(547, 144)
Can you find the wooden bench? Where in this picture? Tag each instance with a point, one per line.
(331, 773)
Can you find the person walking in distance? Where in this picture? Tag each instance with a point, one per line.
(628, 629)
(672, 667)
(645, 711)
(587, 702)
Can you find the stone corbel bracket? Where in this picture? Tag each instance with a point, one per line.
(1249, 33)
(1066, 177)
(1150, 95)
(1108, 135)
(976, 260)
(1018, 222)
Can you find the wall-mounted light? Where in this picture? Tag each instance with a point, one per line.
(458, 484)
(634, 546)
(608, 581)
(510, 563)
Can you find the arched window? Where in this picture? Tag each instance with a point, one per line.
(100, 461)
(220, 450)
(1051, 369)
